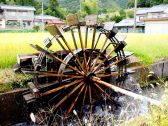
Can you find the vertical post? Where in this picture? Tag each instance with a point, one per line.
(135, 9)
(80, 5)
(42, 7)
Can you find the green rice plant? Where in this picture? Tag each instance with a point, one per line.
(149, 48)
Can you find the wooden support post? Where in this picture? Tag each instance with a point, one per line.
(126, 92)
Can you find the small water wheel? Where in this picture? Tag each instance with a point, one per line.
(79, 75)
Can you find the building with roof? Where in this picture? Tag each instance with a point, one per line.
(126, 26)
(46, 19)
(16, 17)
(22, 17)
(158, 11)
(156, 21)
(141, 14)
(152, 20)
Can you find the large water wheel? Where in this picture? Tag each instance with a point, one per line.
(80, 76)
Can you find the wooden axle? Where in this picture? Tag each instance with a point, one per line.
(126, 92)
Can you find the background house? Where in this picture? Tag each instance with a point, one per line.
(16, 17)
(156, 21)
(152, 20)
(22, 17)
(126, 26)
(46, 19)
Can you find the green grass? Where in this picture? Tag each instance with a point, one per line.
(12, 44)
(10, 80)
(156, 116)
(149, 48)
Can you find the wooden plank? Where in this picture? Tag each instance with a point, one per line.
(126, 92)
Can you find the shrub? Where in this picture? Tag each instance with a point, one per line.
(36, 28)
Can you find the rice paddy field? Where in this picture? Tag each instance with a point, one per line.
(149, 48)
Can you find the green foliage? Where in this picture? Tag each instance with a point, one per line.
(10, 80)
(89, 7)
(54, 9)
(130, 14)
(2, 1)
(122, 13)
(73, 6)
(159, 115)
(25, 2)
(116, 18)
(17, 31)
(146, 3)
(122, 3)
(36, 28)
(165, 1)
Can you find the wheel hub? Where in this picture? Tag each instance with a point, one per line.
(88, 78)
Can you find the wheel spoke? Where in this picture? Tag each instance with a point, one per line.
(97, 40)
(92, 47)
(96, 60)
(61, 87)
(109, 97)
(90, 97)
(83, 102)
(73, 103)
(59, 42)
(55, 57)
(52, 74)
(77, 59)
(86, 36)
(82, 46)
(105, 68)
(67, 96)
(56, 29)
(108, 75)
(74, 40)
(107, 57)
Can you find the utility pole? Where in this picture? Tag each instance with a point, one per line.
(135, 9)
(42, 7)
(80, 5)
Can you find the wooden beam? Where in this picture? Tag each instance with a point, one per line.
(126, 92)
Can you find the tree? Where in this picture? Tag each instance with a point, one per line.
(130, 14)
(130, 3)
(2, 1)
(116, 18)
(122, 13)
(25, 2)
(87, 9)
(146, 3)
(165, 1)
(54, 9)
(53, 4)
(90, 7)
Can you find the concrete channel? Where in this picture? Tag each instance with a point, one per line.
(13, 108)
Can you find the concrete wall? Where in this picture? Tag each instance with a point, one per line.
(12, 108)
(156, 27)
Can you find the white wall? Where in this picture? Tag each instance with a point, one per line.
(156, 27)
(17, 15)
(2, 23)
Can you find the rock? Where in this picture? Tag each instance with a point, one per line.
(131, 85)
